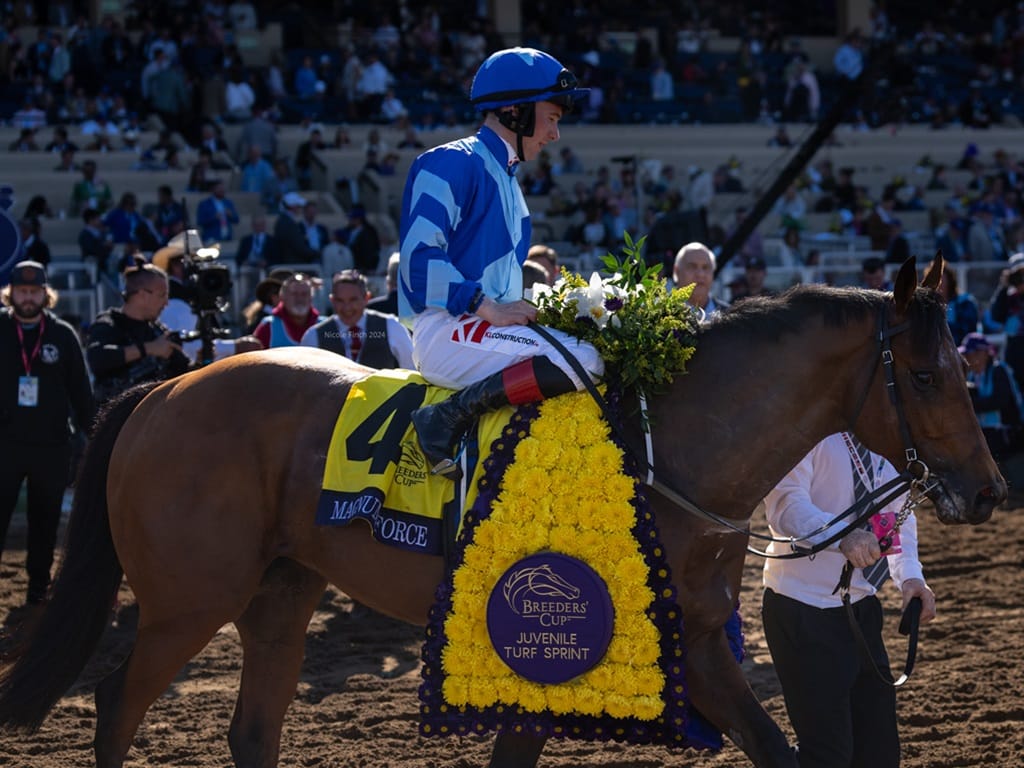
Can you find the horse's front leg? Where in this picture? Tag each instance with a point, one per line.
(719, 690)
(516, 750)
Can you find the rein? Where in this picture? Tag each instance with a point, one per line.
(867, 506)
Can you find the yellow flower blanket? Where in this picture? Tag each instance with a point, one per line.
(554, 482)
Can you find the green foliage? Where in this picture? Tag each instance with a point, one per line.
(644, 333)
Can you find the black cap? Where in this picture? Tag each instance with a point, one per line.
(28, 273)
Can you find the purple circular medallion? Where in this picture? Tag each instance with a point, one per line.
(550, 617)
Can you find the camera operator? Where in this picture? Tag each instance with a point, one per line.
(180, 314)
(128, 346)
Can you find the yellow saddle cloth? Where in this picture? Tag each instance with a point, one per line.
(375, 470)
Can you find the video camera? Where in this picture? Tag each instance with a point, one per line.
(207, 282)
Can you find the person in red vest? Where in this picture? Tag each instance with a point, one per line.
(293, 315)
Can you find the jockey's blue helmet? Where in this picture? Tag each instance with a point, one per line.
(523, 76)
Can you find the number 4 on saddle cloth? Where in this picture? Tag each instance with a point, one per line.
(376, 472)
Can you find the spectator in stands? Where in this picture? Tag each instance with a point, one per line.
(305, 79)
(200, 178)
(756, 272)
(169, 96)
(984, 236)
(279, 185)
(373, 82)
(259, 131)
(316, 233)
(170, 214)
(258, 249)
(391, 107)
(292, 317)
(290, 232)
(94, 242)
(848, 60)
(951, 240)
(410, 139)
(26, 142)
(899, 247)
(60, 60)
(90, 192)
(570, 162)
(791, 206)
(388, 303)
(995, 396)
(124, 223)
(362, 239)
(662, 86)
(370, 337)
(780, 138)
(803, 97)
(700, 191)
(216, 215)
(695, 264)
(872, 274)
(725, 182)
(753, 246)
(336, 256)
(879, 223)
(304, 157)
(239, 96)
(257, 173)
(38, 208)
(32, 247)
(59, 142)
(29, 116)
(118, 50)
(341, 140)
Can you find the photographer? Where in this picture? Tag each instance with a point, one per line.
(128, 346)
(180, 314)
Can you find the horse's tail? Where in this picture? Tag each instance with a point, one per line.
(49, 660)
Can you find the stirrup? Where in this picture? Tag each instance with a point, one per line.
(447, 468)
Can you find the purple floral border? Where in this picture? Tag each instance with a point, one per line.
(679, 725)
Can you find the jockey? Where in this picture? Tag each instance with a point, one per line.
(465, 232)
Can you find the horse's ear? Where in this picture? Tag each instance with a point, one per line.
(933, 275)
(906, 284)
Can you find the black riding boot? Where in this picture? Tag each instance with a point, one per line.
(439, 427)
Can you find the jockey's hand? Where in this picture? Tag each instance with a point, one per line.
(518, 312)
(912, 588)
(861, 548)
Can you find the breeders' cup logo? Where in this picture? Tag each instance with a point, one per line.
(411, 469)
(550, 617)
(540, 593)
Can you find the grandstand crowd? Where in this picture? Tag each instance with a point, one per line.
(174, 111)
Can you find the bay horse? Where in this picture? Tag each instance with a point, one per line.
(226, 533)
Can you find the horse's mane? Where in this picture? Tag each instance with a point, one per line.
(767, 318)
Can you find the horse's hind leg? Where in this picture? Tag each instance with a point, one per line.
(516, 750)
(122, 698)
(273, 633)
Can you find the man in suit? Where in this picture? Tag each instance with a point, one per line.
(695, 263)
(369, 337)
(216, 215)
(256, 251)
(362, 239)
(290, 232)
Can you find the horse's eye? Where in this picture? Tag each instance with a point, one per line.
(923, 379)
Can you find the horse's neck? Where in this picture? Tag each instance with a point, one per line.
(745, 413)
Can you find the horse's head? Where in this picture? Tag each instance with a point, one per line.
(921, 407)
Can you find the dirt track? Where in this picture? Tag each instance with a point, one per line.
(357, 706)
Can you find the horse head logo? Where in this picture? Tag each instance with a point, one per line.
(539, 581)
